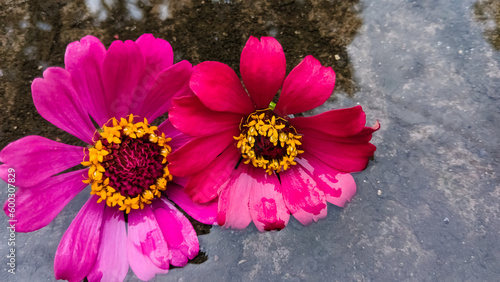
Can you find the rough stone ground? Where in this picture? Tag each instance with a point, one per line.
(427, 207)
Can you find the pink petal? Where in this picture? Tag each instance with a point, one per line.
(147, 249)
(157, 52)
(267, 207)
(203, 186)
(158, 55)
(38, 205)
(204, 213)
(78, 248)
(112, 262)
(302, 195)
(35, 159)
(178, 138)
(83, 60)
(340, 122)
(171, 82)
(56, 100)
(190, 116)
(338, 187)
(122, 68)
(199, 153)
(234, 199)
(220, 89)
(307, 86)
(263, 69)
(363, 136)
(178, 232)
(345, 157)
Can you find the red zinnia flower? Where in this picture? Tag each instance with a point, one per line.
(262, 163)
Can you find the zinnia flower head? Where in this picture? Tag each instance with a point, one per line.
(261, 162)
(128, 220)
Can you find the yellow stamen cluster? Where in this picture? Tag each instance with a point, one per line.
(268, 141)
(112, 136)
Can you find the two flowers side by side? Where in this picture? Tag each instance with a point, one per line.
(226, 154)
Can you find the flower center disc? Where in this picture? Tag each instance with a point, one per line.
(268, 141)
(128, 164)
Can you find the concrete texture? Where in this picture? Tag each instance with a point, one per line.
(428, 205)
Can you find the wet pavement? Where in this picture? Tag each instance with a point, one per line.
(428, 205)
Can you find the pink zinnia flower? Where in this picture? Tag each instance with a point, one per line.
(121, 89)
(262, 163)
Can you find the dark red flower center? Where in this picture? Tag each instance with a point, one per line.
(128, 164)
(268, 141)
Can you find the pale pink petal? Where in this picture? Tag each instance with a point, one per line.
(234, 196)
(305, 201)
(78, 248)
(307, 86)
(345, 157)
(171, 82)
(204, 213)
(178, 138)
(263, 69)
(83, 60)
(338, 187)
(339, 122)
(122, 68)
(189, 115)
(267, 207)
(178, 232)
(38, 205)
(199, 153)
(220, 89)
(35, 159)
(203, 186)
(147, 249)
(56, 100)
(112, 262)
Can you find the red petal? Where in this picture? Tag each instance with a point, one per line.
(263, 69)
(220, 89)
(307, 86)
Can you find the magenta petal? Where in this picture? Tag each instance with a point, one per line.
(147, 249)
(38, 205)
(234, 198)
(220, 89)
(302, 196)
(263, 69)
(339, 122)
(158, 55)
(78, 248)
(112, 262)
(267, 207)
(338, 187)
(35, 159)
(190, 116)
(307, 86)
(199, 153)
(122, 68)
(171, 82)
(83, 60)
(203, 186)
(157, 52)
(345, 157)
(204, 213)
(56, 100)
(178, 232)
(178, 138)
